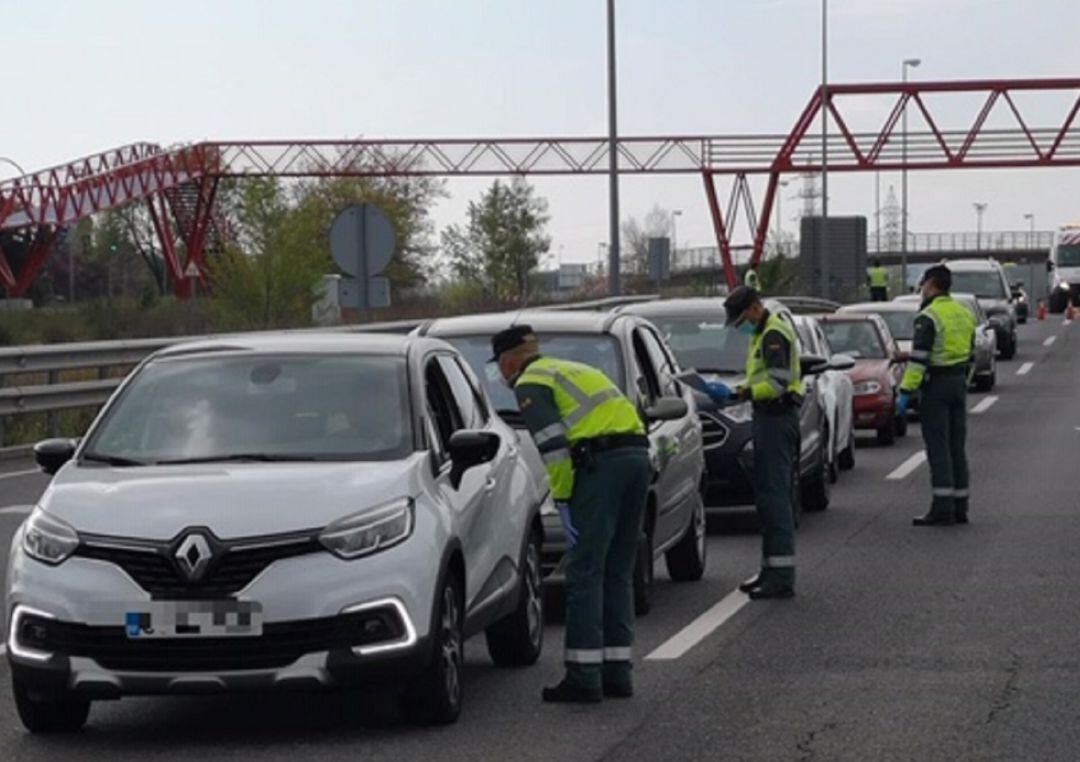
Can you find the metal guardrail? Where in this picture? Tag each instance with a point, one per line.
(104, 356)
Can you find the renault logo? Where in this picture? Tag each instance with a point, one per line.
(193, 556)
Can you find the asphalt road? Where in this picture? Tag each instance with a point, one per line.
(903, 643)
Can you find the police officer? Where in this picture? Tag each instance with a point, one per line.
(939, 369)
(878, 278)
(594, 447)
(773, 384)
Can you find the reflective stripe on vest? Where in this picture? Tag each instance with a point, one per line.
(954, 329)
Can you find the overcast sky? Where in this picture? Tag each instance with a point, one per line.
(82, 76)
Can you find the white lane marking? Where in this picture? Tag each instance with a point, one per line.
(695, 632)
(985, 405)
(906, 468)
(16, 509)
(1024, 369)
(1049, 340)
(17, 474)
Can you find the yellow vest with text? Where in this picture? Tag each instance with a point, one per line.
(767, 384)
(954, 332)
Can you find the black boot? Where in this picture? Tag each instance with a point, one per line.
(569, 693)
(771, 591)
(961, 512)
(932, 519)
(750, 584)
(618, 690)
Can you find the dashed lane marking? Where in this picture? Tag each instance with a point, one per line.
(1049, 340)
(906, 468)
(16, 474)
(695, 632)
(985, 405)
(1024, 369)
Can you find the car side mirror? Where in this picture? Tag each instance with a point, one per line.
(666, 409)
(469, 449)
(899, 358)
(52, 454)
(812, 365)
(841, 362)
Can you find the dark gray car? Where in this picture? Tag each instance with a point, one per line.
(694, 328)
(631, 352)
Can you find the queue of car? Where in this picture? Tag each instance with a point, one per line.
(238, 517)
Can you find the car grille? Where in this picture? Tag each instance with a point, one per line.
(714, 432)
(280, 644)
(154, 569)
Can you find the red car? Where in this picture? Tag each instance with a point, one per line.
(879, 366)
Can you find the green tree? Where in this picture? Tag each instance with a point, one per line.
(504, 241)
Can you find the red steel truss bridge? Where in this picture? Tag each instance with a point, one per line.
(178, 184)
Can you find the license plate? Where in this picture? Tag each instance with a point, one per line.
(194, 619)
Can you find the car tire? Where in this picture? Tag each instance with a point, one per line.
(518, 639)
(886, 435)
(984, 383)
(901, 425)
(1058, 303)
(686, 560)
(54, 715)
(434, 697)
(644, 571)
(1008, 352)
(846, 458)
(815, 492)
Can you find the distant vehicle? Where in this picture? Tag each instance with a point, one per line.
(1021, 302)
(261, 512)
(836, 396)
(632, 354)
(986, 279)
(695, 330)
(985, 376)
(899, 316)
(1063, 269)
(879, 366)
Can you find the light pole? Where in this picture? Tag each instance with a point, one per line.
(614, 286)
(908, 62)
(675, 214)
(779, 213)
(826, 291)
(980, 207)
(1030, 217)
(13, 163)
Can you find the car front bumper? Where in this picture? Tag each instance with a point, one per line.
(873, 411)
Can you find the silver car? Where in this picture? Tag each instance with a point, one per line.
(984, 375)
(278, 512)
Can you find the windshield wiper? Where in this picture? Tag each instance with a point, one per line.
(244, 457)
(113, 460)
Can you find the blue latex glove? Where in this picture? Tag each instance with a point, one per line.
(718, 391)
(567, 524)
(902, 404)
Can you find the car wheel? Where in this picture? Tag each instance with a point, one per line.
(815, 495)
(1008, 352)
(517, 640)
(434, 697)
(985, 382)
(40, 715)
(886, 435)
(643, 576)
(901, 426)
(846, 459)
(686, 560)
(1058, 302)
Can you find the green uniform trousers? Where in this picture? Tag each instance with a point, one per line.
(607, 509)
(943, 415)
(776, 448)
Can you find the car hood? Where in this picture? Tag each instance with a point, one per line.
(232, 500)
(994, 306)
(867, 369)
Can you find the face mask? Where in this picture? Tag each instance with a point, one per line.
(747, 328)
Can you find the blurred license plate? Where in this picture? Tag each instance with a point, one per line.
(194, 619)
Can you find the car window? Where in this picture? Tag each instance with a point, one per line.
(660, 361)
(901, 324)
(985, 285)
(441, 404)
(806, 338)
(856, 338)
(704, 344)
(303, 406)
(822, 342)
(465, 397)
(648, 381)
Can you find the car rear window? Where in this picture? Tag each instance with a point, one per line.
(856, 338)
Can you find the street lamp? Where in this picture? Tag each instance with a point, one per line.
(675, 213)
(614, 284)
(912, 63)
(13, 163)
(1030, 217)
(980, 207)
(826, 291)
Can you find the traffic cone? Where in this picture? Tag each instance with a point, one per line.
(1040, 314)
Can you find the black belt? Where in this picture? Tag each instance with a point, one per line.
(948, 370)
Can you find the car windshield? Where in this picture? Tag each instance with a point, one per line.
(704, 344)
(985, 285)
(1068, 255)
(259, 408)
(598, 350)
(901, 324)
(856, 338)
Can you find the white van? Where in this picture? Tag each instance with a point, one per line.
(1063, 268)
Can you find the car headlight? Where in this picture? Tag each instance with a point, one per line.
(867, 387)
(48, 539)
(740, 413)
(370, 531)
